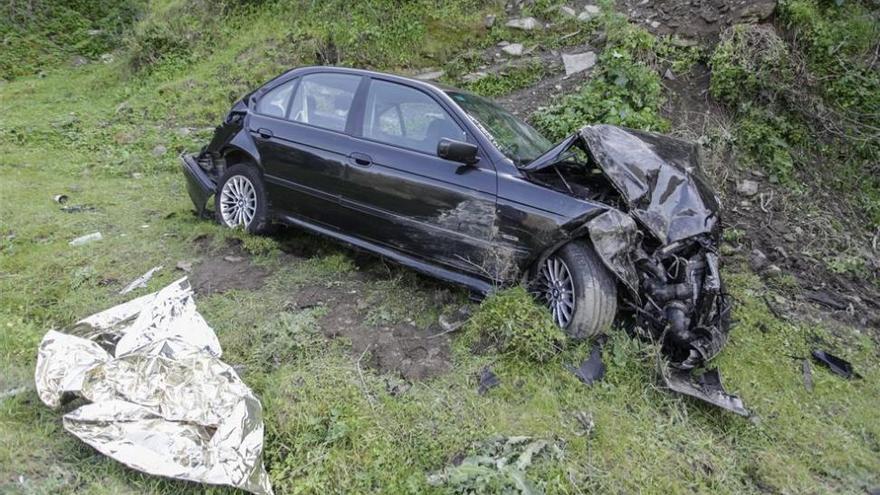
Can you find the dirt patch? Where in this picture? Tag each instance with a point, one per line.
(703, 19)
(225, 269)
(402, 348)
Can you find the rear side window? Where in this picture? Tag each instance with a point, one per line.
(406, 117)
(274, 103)
(324, 100)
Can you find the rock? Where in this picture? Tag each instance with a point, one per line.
(592, 9)
(94, 32)
(159, 150)
(184, 266)
(489, 21)
(585, 16)
(567, 11)
(137, 175)
(430, 76)
(526, 24)
(513, 49)
(655, 24)
(78, 61)
(669, 75)
(747, 187)
(773, 270)
(578, 62)
(758, 260)
(756, 11)
(474, 77)
(107, 58)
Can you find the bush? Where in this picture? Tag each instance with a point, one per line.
(750, 63)
(513, 322)
(767, 138)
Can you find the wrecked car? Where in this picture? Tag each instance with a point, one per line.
(452, 185)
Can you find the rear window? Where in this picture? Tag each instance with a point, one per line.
(274, 103)
(324, 100)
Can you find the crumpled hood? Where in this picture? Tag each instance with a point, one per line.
(658, 176)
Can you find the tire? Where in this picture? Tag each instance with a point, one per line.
(245, 184)
(595, 290)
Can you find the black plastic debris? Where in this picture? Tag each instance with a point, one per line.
(706, 387)
(592, 369)
(487, 381)
(837, 365)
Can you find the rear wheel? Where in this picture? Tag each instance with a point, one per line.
(578, 289)
(240, 200)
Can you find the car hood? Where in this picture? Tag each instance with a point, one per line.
(659, 178)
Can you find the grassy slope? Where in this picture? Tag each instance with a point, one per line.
(94, 128)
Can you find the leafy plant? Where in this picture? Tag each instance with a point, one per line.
(513, 322)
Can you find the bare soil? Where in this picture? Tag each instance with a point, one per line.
(701, 19)
(225, 269)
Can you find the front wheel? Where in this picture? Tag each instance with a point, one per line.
(580, 292)
(240, 201)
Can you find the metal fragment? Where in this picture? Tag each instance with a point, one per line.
(140, 281)
(592, 369)
(79, 241)
(706, 387)
(161, 401)
(838, 366)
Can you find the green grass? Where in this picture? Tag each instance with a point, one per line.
(86, 132)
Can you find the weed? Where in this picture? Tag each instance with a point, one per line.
(512, 322)
(509, 80)
(750, 63)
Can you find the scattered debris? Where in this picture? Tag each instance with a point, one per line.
(500, 462)
(79, 241)
(234, 259)
(838, 366)
(489, 21)
(60, 198)
(513, 49)
(487, 380)
(585, 420)
(578, 62)
(453, 322)
(474, 77)
(592, 369)
(669, 75)
(747, 188)
(160, 399)
(526, 24)
(141, 281)
(12, 392)
(808, 374)
(706, 387)
(77, 208)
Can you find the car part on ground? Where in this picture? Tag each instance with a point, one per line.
(592, 369)
(161, 401)
(706, 387)
(838, 366)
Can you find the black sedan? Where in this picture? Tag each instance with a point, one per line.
(452, 185)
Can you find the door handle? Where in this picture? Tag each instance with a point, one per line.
(362, 159)
(265, 133)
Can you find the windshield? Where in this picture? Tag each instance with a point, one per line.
(517, 140)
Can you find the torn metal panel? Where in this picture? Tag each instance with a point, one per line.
(838, 366)
(615, 236)
(161, 401)
(706, 387)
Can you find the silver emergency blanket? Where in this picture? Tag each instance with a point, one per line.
(161, 401)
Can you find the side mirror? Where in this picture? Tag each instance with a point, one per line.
(457, 151)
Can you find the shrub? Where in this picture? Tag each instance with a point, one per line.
(750, 62)
(513, 322)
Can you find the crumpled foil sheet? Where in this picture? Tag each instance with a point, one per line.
(161, 401)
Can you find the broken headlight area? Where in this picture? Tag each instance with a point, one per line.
(660, 238)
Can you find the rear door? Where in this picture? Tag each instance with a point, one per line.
(300, 131)
(404, 196)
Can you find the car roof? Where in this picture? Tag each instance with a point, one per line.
(385, 75)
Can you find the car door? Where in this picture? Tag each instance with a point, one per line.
(299, 128)
(404, 196)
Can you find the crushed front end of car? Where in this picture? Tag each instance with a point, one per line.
(660, 238)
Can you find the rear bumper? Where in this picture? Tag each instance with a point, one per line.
(199, 184)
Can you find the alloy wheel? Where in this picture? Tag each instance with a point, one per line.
(238, 202)
(555, 287)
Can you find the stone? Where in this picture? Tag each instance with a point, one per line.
(747, 187)
(655, 24)
(78, 61)
(567, 11)
(489, 21)
(430, 76)
(669, 75)
(474, 77)
(774, 270)
(159, 150)
(585, 16)
(578, 62)
(592, 9)
(758, 260)
(526, 24)
(513, 49)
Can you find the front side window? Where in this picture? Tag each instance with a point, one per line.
(324, 100)
(274, 103)
(517, 140)
(406, 117)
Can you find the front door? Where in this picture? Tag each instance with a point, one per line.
(300, 131)
(402, 195)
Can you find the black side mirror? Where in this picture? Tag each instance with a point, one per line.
(457, 151)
